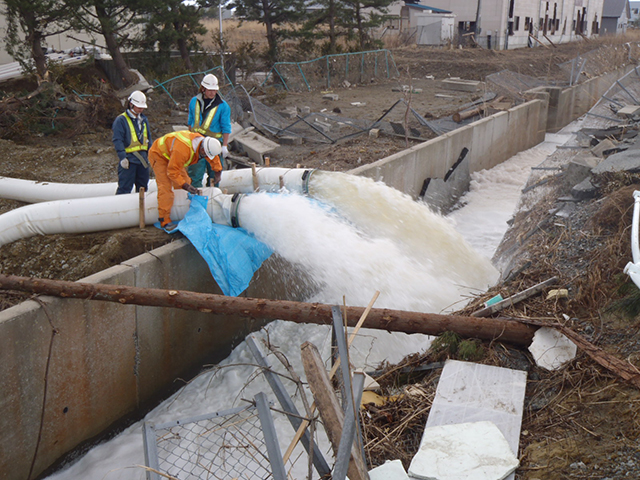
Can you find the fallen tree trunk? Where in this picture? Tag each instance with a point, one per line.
(504, 330)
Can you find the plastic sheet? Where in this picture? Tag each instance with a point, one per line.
(232, 254)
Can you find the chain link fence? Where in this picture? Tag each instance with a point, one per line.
(333, 70)
(182, 88)
(599, 61)
(513, 85)
(224, 445)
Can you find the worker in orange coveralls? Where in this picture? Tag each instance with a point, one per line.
(170, 156)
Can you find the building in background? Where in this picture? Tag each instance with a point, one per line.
(634, 8)
(616, 15)
(506, 24)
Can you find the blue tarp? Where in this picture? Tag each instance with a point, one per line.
(232, 254)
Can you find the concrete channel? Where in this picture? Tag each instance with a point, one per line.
(73, 369)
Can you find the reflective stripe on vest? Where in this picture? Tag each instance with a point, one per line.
(182, 137)
(204, 128)
(135, 145)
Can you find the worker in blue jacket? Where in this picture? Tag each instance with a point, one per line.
(209, 115)
(131, 138)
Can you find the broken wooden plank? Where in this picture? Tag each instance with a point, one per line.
(305, 423)
(534, 38)
(329, 407)
(518, 297)
(501, 329)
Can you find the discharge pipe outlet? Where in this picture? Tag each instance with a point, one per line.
(269, 179)
(86, 215)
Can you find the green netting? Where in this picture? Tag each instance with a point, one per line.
(333, 70)
(183, 87)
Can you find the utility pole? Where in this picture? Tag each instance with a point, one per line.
(221, 42)
(478, 18)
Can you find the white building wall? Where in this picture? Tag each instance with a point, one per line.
(494, 20)
(635, 11)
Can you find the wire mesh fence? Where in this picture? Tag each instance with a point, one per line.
(223, 445)
(623, 93)
(333, 70)
(513, 85)
(599, 61)
(182, 88)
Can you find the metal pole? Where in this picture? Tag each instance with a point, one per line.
(270, 437)
(221, 40)
(288, 406)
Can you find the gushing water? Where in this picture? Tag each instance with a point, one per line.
(358, 236)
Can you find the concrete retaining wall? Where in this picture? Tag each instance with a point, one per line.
(107, 361)
(489, 141)
(568, 104)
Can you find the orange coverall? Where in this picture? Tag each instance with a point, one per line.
(169, 157)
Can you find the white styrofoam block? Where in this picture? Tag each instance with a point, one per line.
(390, 470)
(473, 451)
(470, 392)
(551, 349)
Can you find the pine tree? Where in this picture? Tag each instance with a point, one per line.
(33, 20)
(174, 23)
(113, 20)
(274, 15)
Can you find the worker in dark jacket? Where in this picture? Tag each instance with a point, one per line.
(131, 138)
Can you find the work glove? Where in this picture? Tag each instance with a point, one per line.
(124, 163)
(225, 151)
(217, 176)
(190, 188)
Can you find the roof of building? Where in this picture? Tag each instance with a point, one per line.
(425, 7)
(614, 8)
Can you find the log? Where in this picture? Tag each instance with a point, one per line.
(504, 330)
(329, 407)
(460, 116)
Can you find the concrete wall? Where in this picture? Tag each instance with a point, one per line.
(568, 104)
(107, 361)
(490, 141)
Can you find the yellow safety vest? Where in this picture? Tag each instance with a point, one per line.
(135, 145)
(204, 128)
(182, 136)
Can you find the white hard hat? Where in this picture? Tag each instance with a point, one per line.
(212, 147)
(210, 82)
(138, 99)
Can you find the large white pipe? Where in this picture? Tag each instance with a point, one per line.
(633, 268)
(28, 191)
(233, 181)
(85, 215)
(268, 179)
(85, 208)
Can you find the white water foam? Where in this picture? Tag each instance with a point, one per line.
(493, 196)
(373, 238)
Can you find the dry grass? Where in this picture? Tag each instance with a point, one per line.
(234, 34)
